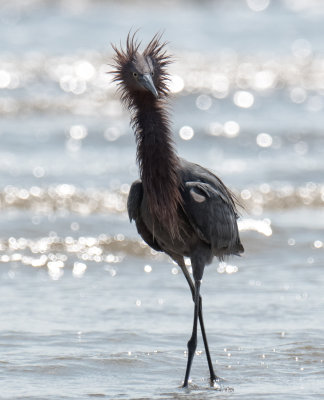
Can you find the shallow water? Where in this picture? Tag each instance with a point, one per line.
(88, 310)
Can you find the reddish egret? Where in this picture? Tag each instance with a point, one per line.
(179, 207)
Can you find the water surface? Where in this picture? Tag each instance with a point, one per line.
(88, 310)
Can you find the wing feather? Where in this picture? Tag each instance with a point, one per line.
(214, 218)
(134, 202)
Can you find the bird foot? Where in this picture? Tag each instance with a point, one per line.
(189, 385)
(214, 383)
(185, 385)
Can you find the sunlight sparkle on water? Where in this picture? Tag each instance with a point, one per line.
(216, 129)
(220, 85)
(231, 129)
(5, 79)
(38, 172)
(246, 194)
(258, 5)
(260, 226)
(204, 102)
(111, 270)
(65, 190)
(112, 133)
(72, 84)
(55, 269)
(75, 226)
(186, 132)
(264, 80)
(298, 95)
(243, 99)
(79, 269)
(264, 140)
(39, 262)
(226, 268)
(84, 70)
(175, 84)
(147, 269)
(318, 244)
(78, 132)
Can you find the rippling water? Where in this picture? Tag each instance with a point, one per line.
(88, 310)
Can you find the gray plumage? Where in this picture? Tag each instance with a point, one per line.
(207, 217)
(179, 208)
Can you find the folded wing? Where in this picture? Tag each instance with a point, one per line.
(211, 212)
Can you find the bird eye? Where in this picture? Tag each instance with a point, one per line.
(152, 73)
(135, 74)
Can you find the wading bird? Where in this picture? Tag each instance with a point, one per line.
(179, 207)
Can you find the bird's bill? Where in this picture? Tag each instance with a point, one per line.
(148, 83)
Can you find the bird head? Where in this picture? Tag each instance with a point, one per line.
(141, 74)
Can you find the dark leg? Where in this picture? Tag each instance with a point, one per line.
(213, 376)
(192, 344)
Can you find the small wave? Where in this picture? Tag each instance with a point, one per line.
(54, 252)
(57, 253)
(64, 197)
(96, 200)
(282, 196)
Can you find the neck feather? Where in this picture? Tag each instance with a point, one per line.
(158, 161)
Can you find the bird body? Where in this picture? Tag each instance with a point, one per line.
(206, 216)
(179, 207)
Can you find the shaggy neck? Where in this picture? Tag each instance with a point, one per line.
(155, 152)
(158, 162)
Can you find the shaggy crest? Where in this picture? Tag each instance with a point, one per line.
(123, 59)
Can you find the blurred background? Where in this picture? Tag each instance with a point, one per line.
(247, 102)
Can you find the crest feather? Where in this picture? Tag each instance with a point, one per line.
(155, 50)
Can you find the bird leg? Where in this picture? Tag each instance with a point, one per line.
(192, 343)
(213, 376)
